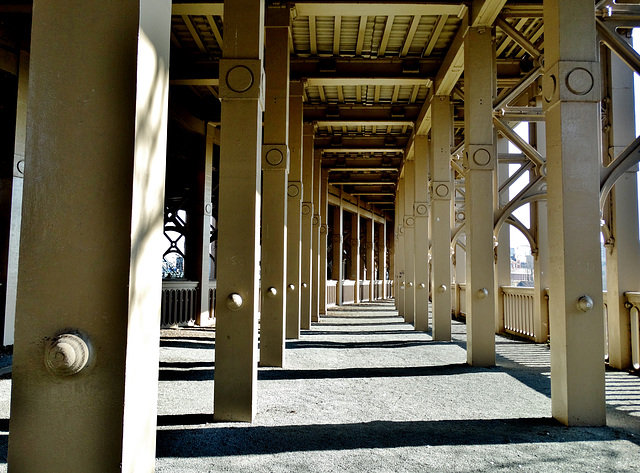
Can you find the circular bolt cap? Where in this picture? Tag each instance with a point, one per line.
(442, 288)
(272, 292)
(585, 303)
(291, 287)
(234, 301)
(66, 355)
(483, 293)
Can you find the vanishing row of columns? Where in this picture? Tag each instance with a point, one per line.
(571, 101)
(92, 224)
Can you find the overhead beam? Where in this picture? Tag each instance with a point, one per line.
(375, 81)
(338, 122)
(352, 8)
(211, 8)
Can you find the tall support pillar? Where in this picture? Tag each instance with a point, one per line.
(391, 250)
(571, 92)
(324, 230)
(540, 230)
(400, 235)
(355, 252)
(502, 271)
(409, 243)
(421, 231)
(294, 212)
(306, 261)
(17, 185)
(86, 346)
(275, 170)
(623, 252)
(441, 193)
(338, 231)
(371, 272)
(239, 212)
(315, 239)
(204, 209)
(382, 258)
(479, 70)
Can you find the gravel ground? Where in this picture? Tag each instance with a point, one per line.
(362, 391)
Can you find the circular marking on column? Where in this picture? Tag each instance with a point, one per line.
(410, 221)
(460, 216)
(482, 157)
(240, 78)
(580, 81)
(66, 355)
(20, 166)
(306, 209)
(293, 190)
(234, 301)
(585, 303)
(442, 190)
(274, 157)
(323, 230)
(549, 85)
(208, 208)
(401, 230)
(421, 209)
(315, 221)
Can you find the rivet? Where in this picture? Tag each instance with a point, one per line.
(291, 287)
(304, 284)
(234, 301)
(272, 292)
(585, 303)
(483, 293)
(442, 288)
(67, 354)
(410, 284)
(422, 285)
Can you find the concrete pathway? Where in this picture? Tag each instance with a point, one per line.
(362, 391)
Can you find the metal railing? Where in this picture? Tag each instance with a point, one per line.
(348, 291)
(633, 304)
(332, 294)
(179, 303)
(518, 306)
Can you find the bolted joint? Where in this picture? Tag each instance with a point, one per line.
(67, 354)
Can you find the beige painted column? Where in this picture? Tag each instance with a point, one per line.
(502, 272)
(85, 360)
(382, 257)
(409, 243)
(400, 247)
(355, 252)
(239, 212)
(338, 232)
(571, 91)
(294, 212)
(306, 261)
(275, 170)
(315, 240)
(204, 209)
(391, 248)
(441, 194)
(421, 231)
(17, 185)
(370, 257)
(540, 231)
(324, 233)
(479, 70)
(623, 252)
